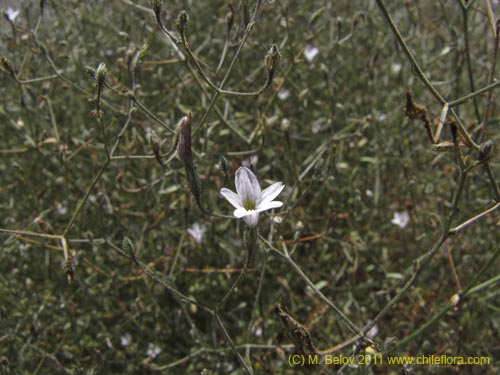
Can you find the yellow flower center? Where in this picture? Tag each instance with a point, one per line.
(248, 204)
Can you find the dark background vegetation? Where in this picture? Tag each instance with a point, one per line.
(339, 141)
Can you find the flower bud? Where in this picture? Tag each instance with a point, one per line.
(299, 227)
(7, 65)
(90, 71)
(156, 5)
(184, 141)
(155, 145)
(128, 246)
(137, 61)
(224, 166)
(101, 75)
(230, 18)
(485, 150)
(455, 300)
(272, 59)
(181, 22)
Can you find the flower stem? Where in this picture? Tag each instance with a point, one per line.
(251, 246)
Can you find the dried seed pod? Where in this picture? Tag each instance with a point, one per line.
(297, 332)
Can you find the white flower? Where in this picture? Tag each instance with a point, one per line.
(197, 231)
(316, 126)
(258, 331)
(401, 219)
(382, 117)
(250, 200)
(283, 94)
(125, 339)
(11, 14)
(310, 52)
(62, 208)
(153, 350)
(396, 67)
(372, 332)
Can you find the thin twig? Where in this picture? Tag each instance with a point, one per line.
(297, 269)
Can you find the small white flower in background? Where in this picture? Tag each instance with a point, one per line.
(379, 116)
(258, 331)
(250, 200)
(126, 339)
(252, 160)
(396, 67)
(153, 350)
(108, 342)
(316, 126)
(372, 332)
(62, 208)
(401, 219)
(310, 52)
(12, 14)
(283, 94)
(197, 231)
(445, 51)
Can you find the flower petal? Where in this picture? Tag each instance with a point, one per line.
(271, 192)
(247, 185)
(268, 205)
(252, 220)
(240, 212)
(231, 197)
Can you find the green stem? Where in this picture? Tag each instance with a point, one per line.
(408, 53)
(469, 63)
(251, 247)
(470, 289)
(297, 269)
(491, 78)
(85, 197)
(230, 68)
(472, 95)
